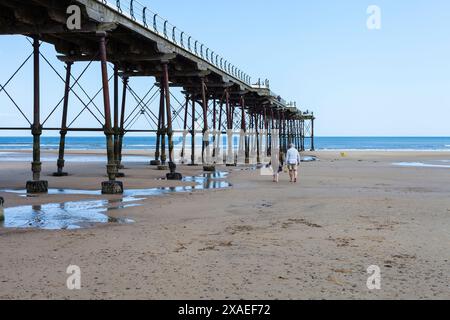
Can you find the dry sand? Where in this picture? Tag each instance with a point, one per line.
(257, 240)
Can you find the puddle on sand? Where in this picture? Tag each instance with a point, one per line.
(85, 214)
(309, 159)
(62, 216)
(432, 164)
(206, 181)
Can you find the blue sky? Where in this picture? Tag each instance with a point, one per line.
(359, 82)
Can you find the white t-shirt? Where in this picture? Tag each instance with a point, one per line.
(293, 156)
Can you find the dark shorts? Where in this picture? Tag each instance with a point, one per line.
(292, 167)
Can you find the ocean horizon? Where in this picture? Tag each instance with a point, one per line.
(321, 143)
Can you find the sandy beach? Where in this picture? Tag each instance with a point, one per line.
(255, 240)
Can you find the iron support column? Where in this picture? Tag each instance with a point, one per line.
(227, 110)
(285, 133)
(122, 120)
(116, 114)
(214, 127)
(244, 130)
(173, 175)
(265, 126)
(272, 116)
(157, 160)
(257, 138)
(312, 135)
(230, 156)
(63, 133)
(302, 134)
(205, 119)
(36, 185)
(186, 111)
(220, 142)
(193, 132)
(112, 186)
(299, 134)
(169, 112)
(280, 128)
(291, 132)
(163, 127)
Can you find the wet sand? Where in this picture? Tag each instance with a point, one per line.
(256, 240)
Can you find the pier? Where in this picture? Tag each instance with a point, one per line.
(126, 40)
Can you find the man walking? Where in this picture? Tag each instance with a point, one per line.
(293, 161)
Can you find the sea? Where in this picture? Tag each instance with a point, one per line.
(11, 147)
(321, 143)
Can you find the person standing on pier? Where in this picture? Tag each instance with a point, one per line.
(293, 161)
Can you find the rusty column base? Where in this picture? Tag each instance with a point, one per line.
(155, 163)
(112, 187)
(120, 175)
(120, 166)
(60, 172)
(37, 186)
(210, 168)
(173, 175)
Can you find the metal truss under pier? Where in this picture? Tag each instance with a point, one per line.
(129, 41)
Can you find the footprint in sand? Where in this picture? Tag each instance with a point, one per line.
(291, 222)
(343, 242)
(237, 229)
(215, 245)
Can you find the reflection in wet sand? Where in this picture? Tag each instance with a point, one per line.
(423, 164)
(85, 214)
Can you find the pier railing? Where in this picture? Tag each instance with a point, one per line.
(141, 14)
